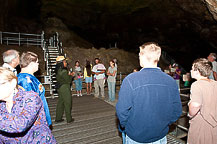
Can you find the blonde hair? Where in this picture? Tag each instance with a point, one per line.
(151, 51)
(6, 75)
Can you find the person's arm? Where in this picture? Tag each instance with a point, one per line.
(124, 103)
(108, 73)
(101, 71)
(20, 121)
(215, 75)
(194, 107)
(113, 74)
(176, 105)
(195, 100)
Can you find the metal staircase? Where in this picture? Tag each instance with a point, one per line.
(51, 51)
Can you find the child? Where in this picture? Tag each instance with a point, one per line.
(78, 77)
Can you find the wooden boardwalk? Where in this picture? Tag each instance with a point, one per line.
(95, 123)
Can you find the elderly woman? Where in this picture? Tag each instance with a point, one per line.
(29, 65)
(203, 105)
(22, 117)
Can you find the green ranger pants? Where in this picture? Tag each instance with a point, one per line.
(64, 103)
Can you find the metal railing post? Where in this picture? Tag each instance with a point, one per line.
(1, 37)
(57, 36)
(19, 39)
(42, 38)
(51, 89)
(47, 63)
(43, 45)
(44, 52)
(54, 44)
(120, 78)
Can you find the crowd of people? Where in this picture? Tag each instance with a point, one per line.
(148, 101)
(24, 115)
(24, 109)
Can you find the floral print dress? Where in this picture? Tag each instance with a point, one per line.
(27, 121)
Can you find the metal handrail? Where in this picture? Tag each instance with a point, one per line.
(21, 34)
(11, 38)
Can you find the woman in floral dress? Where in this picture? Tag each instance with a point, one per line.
(22, 116)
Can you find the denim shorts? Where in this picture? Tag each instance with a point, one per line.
(88, 80)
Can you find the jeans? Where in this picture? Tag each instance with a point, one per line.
(124, 137)
(78, 84)
(99, 83)
(161, 141)
(178, 83)
(111, 90)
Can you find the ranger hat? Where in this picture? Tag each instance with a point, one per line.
(60, 58)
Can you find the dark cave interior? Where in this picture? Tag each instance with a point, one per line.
(185, 29)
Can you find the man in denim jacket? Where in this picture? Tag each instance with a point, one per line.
(149, 100)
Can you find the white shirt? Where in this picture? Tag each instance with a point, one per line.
(214, 64)
(5, 65)
(97, 68)
(214, 68)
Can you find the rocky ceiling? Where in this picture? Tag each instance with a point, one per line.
(186, 29)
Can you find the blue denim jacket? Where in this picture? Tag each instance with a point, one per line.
(148, 103)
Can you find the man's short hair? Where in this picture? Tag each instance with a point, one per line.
(97, 59)
(26, 58)
(213, 55)
(151, 51)
(9, 55)
(203, 66)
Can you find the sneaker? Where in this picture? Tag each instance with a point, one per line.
(77, 95)
(80, 94)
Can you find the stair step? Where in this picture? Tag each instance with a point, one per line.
(51, 47)
(52, 56)
(51, 64)
(53, 53)
(52, 61)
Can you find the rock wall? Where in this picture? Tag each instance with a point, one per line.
(126, 61)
